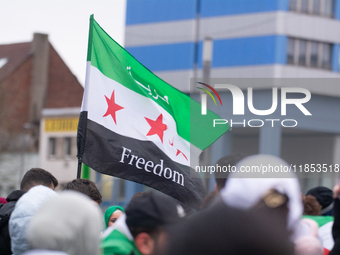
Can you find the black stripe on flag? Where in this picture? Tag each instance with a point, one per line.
(139, 161)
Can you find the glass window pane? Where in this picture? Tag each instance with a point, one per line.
(52, 145)
(329, 8)
(292, 5)
(67, 146)
(316, 7)
(314, 54)
(302, 52)
(326, 56)
(121, 189)
(304, 6)
(290, 51)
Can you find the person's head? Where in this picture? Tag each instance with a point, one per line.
(221, 229)
(324, 196)
(138, 194)
(246, 189)
(274, 204)
(310, 205)
(226, 162)
(25, 209)
(147, 218)
(86, 187)
(112, 214)
(38, 176)
(70, 223)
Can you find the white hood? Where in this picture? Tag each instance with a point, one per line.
(23, 212)
(70, 223)
(246, 192)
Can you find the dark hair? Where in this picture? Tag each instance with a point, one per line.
(37, 176)
(138, 195)
(86, 187)
(227, 161)
(311, 206)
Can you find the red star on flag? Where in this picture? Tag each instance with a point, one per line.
(179, 152)
(112, 107)
(157, 127)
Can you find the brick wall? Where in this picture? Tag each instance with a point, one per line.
(63, 90)
(14, 98)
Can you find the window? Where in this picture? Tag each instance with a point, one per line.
(302, 52)
(52, 147)
(314, 54)
(326, 56)
(314, 7)
(304, 6)
(290, 51)
(293, 5)
(67, 147)
(121, 189)
(309, 53)
(328, 8)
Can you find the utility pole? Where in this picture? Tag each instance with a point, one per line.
(207, 58)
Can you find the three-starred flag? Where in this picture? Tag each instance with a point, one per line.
(135, 126)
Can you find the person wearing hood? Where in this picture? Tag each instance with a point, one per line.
(278, 195)
(26, 207)
(68, 224)
(32, 178)
(111, 215)
(222, 229)
(245, 190)
(324, 196)
(5, 213)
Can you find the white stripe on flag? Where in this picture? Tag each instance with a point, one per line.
(131, 120)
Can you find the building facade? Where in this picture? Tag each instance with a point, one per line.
(58, 145)
(272, 40)
(33, 78)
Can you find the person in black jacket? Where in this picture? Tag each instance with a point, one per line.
(336, 224)
(5, 213)
(33, 177)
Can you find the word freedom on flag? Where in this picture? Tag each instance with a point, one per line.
(135, 126)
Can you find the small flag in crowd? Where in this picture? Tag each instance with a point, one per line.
(135, 126)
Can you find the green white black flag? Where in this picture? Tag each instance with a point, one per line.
(135, 126)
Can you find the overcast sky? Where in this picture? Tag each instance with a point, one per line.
(65, 21)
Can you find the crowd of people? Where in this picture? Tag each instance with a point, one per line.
(242, 215)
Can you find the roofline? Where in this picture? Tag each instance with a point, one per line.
(52, 112)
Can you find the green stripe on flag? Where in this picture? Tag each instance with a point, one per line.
(85, 174)
(117, 64)
(89, 44)
(321, 220)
